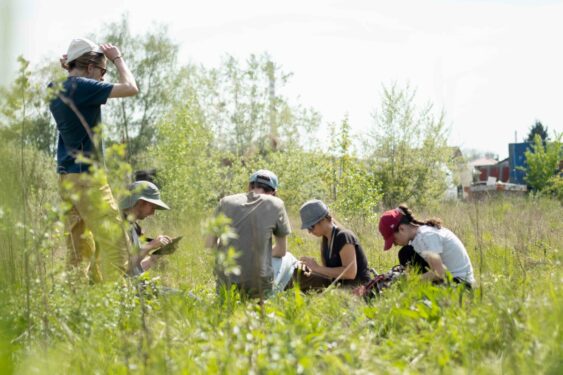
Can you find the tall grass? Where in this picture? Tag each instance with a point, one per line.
(510, 324)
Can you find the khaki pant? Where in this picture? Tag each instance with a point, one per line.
(94, 234)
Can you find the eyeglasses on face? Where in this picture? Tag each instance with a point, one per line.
(102, 70)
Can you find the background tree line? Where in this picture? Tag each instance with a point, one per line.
(544, 162)
(205, 129)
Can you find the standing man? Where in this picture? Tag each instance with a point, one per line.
(257, 216)
(95, 238)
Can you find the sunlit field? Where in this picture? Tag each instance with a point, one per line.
(172, 321)
(203, 131)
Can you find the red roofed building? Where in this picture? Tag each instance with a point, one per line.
(492, 168)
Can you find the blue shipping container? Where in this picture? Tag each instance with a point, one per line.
(517, 160)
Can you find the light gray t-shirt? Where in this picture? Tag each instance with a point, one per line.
(445, 243)
(255, 219)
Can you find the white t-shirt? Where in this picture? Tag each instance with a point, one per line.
(443, 242)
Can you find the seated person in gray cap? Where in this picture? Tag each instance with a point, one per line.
(142, 203)
(342, 257)
(257, 216)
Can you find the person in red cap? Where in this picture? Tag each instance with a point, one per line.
(427, 246)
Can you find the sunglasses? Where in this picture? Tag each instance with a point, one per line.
(102, 70)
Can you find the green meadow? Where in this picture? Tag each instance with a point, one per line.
(205, 130)
(172, 321)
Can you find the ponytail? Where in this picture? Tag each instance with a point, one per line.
(408, 218)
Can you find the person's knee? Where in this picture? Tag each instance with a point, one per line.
(406, 254)
(408, 257)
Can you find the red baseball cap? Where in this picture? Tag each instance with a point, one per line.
(388, 224)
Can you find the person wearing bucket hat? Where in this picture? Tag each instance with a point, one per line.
(143, 194)
(343, 258)
(257, 217)
(143, 201)
(93, 223)
(426, 246)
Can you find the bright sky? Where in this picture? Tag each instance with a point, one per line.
(493, 66)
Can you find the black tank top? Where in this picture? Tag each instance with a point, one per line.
(331, 256)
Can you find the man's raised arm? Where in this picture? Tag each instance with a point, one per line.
(127, 85)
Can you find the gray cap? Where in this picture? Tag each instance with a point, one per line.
(266, 177)
(146, 191)
(312, 212)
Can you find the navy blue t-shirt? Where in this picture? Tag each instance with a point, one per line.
(88, 95)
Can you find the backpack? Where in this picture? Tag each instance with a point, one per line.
(379, 282)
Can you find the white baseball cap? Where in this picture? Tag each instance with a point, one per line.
(79, 47)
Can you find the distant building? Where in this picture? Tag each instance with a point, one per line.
(491, 177)
(488, 168)
(517, 157)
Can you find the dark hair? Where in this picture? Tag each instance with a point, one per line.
(86, 59)
(324, 241)
(260, 185)
(146, 175)
(408, 218)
